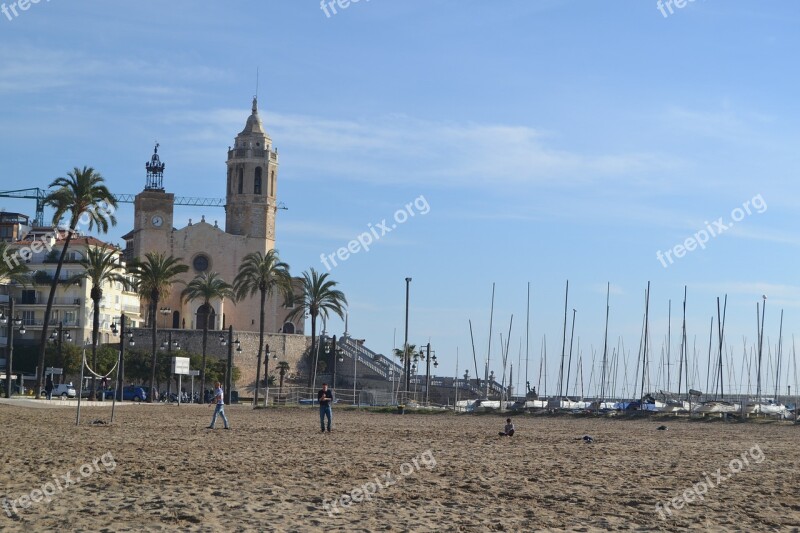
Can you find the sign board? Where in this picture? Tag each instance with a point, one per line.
(180, 365)
(53, 371)
(194, 372)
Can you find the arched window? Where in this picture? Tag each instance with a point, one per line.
(241, 181)
(257, 182)
(272, 183)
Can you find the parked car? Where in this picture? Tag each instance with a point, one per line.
(108, 393)
(134, 393)
(65, 390)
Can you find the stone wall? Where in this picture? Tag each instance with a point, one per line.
(289, 348)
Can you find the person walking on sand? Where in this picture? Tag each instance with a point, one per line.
(509, 429)
(48, 388)
(325, 398)
(219, 410)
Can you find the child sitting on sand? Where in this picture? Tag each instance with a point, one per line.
(509, 429)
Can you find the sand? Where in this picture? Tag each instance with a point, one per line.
(158, 469)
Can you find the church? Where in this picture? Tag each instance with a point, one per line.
(250, 212)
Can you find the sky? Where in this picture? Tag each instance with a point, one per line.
(521, 141)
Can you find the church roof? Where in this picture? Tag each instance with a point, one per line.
(254, 125)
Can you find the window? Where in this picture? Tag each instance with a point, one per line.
(200, 263)
(257, 182)
(28, 318)
(272, 183)
(28, 297)
(69, 318)
(241, 181)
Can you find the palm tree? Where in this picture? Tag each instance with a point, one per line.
(318, 298)
(283, 368)
(263, 274)
(101, 266)
(206, 287)
(83, 197)
(153, 279)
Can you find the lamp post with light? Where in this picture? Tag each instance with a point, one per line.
(230, 343)
(428, 356)
(58, 338)
(12, 322)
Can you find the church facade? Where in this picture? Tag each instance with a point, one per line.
(250, 212)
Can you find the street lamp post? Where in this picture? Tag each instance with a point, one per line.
(427, 357)
(230, 364)
(267, 353)
(12, 323)
(406, 355)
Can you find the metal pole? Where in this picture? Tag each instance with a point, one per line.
(60, 360)
(266, 374)
(406, 358)
(355, 363)
(80, 388)
(428, 377)
(230, 364)
(335, 358)
(10, 347)
(119, 365)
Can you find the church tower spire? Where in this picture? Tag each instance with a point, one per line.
(155, 172)
(252, 182)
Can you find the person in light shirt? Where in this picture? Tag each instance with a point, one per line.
(219, 401)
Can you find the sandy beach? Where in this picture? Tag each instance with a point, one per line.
(158, 469)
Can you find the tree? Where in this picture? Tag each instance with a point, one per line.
(83, 197)
(207, 287)
(101, 267)
(283, 368)
(318, 298)
(262, 274)
(153, 279)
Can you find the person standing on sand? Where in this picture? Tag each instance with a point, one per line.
(325, 398)
(219, 401)
(48, 388)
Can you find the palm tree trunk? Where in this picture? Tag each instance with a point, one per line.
(314, 353)
(95, 330)
(280, 392)
(47, 311)
(154, 359)
(205, 343)
(260, 347)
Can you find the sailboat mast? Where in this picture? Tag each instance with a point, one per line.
(527, 339)
(605, 349)
(760, 346)
(646, 332)
(778, 366)
(563, 346)
(489, 349)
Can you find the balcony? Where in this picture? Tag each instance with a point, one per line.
(58, 300)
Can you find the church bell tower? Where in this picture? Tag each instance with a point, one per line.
(252, 183)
